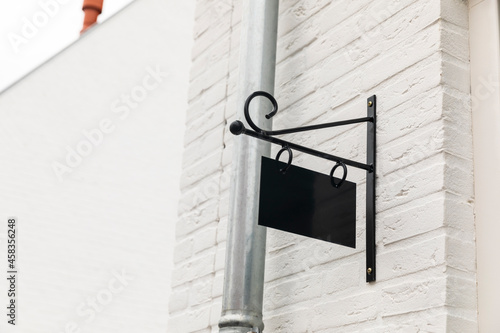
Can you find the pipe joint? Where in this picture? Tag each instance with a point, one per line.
(246, 321)
(93, 4)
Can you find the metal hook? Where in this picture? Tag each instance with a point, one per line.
(343, 177)
(268, 116)
(290, 157)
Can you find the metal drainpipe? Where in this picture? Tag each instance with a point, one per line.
(246, 241)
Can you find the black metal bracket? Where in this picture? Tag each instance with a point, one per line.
(237, 128)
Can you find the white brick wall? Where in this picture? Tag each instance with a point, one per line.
(332, 55)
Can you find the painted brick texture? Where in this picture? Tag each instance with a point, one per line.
(332, 55)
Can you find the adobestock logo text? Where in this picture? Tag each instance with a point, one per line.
(95, 137)
(31, 26)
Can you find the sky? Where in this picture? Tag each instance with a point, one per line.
(32, 31)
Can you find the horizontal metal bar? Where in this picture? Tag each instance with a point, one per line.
(290, 130)
(238, 128)
(319, 126)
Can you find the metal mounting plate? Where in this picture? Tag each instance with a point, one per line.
(370, 191)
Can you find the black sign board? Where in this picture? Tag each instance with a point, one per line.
(304, 202)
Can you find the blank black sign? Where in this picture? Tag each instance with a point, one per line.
(304, 202)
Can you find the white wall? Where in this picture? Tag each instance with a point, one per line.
(485, 57)
(333, 55)
(113, 212)
(33, 30)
